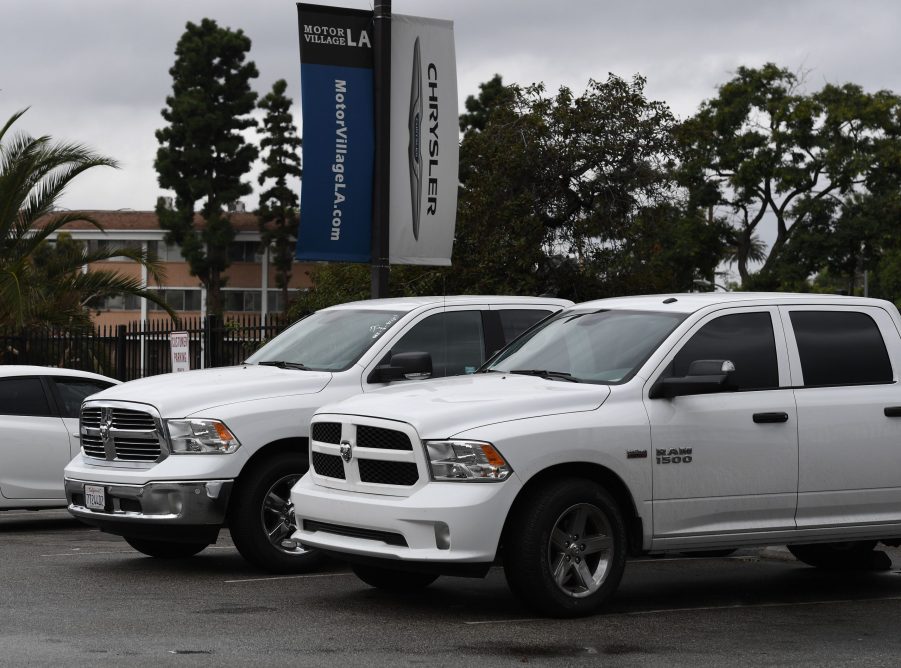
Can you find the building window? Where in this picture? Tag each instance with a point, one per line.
(178, 300)
(276, 301)
(116, 303)
(94, 245)
(164, 252)
(245, 251)
(242, 300)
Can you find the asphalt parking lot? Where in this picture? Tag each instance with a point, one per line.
(72, 595)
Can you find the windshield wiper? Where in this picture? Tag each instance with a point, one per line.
(282, 364)
(544, 373)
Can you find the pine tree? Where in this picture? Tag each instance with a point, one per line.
(279, 203)
(202, 154)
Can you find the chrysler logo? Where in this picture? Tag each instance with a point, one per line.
(347, 452)
(415, 146)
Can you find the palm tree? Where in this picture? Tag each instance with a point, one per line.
(41, 286)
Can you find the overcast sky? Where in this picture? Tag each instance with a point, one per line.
(96, 71)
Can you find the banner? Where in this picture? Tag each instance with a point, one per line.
(425, 141)
(338, 134)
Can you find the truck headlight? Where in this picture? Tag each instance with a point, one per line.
(466, 461)
(201, 437)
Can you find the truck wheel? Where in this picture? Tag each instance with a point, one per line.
(164, 549)
(856, 555)
(386, 578)
(565, 549)
(261, 519)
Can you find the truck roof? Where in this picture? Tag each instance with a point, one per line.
(410, 303)
(695, 301)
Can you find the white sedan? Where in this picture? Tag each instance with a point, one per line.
(39, 409)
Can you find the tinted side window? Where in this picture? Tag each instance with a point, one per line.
(23, 396)
(515, 321)
(745, 339)
(72, 391)
(840, 348)
(454, 340)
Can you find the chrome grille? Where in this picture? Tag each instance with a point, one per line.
(120, 434)
(90, 417)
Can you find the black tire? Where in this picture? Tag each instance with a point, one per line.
(165, 549)
(571, 527)
(392, 580)
(855, 555)
(261, 517)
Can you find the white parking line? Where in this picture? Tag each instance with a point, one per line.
(289, 577)
(698, 609)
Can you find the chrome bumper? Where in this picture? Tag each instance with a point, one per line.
(178, 503)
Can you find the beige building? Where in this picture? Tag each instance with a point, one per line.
(250, 289)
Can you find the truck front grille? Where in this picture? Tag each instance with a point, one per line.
(386, 439)
(120, 434)
(354, 456)
(388, 473)
(328, 465)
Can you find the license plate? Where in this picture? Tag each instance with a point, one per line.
(95, 497)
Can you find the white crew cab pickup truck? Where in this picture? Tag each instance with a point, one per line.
(675, 423)
(167, 461)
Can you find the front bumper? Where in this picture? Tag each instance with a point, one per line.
(442, 522)
(191, 510)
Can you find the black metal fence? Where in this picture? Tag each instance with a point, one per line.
(141, 348)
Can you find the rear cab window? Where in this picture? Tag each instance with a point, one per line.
(840, 348)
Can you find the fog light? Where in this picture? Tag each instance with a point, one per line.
(442, 536)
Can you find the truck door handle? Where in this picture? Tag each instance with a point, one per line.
(892, 411)
(765, 418)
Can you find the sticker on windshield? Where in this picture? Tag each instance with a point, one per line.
(469, 369)
(378, 330)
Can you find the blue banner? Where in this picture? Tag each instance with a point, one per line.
(338, 134)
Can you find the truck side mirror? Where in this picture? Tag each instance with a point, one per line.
(704, 377)
(403, 366)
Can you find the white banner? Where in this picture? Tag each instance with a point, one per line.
(425, 141)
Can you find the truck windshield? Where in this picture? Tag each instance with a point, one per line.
(326, 340)
(606, 346)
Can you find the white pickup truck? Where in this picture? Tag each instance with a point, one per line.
(167, 461)
(623, 426)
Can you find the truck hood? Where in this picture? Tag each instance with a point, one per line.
(182, 394)
(442, 408)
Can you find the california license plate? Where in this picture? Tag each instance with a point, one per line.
(95, 497)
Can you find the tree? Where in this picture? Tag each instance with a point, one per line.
(42, 284)
(762, 149)
(576, 193)
(279, 203)
(202, 154)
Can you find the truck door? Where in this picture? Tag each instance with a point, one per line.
(849, 414)
(726, 462)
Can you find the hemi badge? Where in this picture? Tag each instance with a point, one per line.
(637, 454)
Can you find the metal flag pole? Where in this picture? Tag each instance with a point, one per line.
(380, 192)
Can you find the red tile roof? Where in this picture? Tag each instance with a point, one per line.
(147, 220)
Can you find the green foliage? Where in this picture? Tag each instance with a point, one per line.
(575, 194)
(765, 150)
(202, 154)
(42, 284)
(279, 203)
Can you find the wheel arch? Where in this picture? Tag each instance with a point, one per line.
(597, 473)
(294, 444)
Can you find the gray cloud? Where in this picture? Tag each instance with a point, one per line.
(96, 71)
